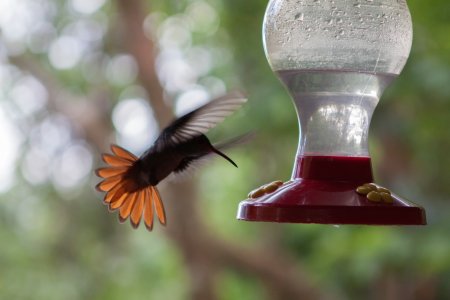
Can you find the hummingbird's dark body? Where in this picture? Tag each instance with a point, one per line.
(130, 182)
(156, 164)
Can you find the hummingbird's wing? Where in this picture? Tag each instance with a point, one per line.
(121, 193)
(236, 141)
(200, 120)
(187, 162)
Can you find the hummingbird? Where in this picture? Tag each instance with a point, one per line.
(130, 181)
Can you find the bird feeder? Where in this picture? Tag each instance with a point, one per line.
(336, 58)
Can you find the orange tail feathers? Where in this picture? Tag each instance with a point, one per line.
(121, 193)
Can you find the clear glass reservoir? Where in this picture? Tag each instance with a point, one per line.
(336, 57)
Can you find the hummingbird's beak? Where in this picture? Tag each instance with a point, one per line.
(224, 156)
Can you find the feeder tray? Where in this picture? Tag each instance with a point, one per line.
(335, 62)
(316, 195)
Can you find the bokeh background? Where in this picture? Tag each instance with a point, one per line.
(77, 75)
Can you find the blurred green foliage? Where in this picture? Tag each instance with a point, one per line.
(60, 244)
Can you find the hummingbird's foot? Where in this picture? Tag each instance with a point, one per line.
(375, 193)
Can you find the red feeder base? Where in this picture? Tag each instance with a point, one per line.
(324, 191)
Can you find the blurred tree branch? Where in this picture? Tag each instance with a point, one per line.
(89, 113)
(144, 51)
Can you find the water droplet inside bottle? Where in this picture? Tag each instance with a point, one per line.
(299, 16)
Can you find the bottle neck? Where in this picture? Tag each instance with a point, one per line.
(334, 108)
(334, 124)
